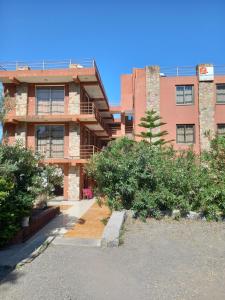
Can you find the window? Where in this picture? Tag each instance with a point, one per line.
(50, 140)
(184, 94)
(50, 100)
(220, 93)
(221, 129)
(185, 134)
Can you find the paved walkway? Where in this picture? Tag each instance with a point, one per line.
(91, 224)
(72, 212)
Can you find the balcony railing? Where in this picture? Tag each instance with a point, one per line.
(89, 108)
(50, 108)
(86, 151)
(57, 151)
(48, 64)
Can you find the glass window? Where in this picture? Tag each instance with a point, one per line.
(184, 94)
(185, 134)
(50, 100)
(221, 129)
(220, 93)
(50, 140)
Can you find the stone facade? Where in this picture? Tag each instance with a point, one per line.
(21, 99)
(74, 139)
(21, 133)
(74, 98)
(74, 183)
(206, 113)
(153, 90)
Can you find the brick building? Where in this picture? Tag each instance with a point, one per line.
(190, 100)
(60, 110)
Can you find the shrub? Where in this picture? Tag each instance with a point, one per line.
(22, 179)
(151, 179)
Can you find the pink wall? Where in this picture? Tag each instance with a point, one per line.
(126, 92)
(140, 98)
(173, 114)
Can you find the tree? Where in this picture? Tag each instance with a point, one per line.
(151, 122)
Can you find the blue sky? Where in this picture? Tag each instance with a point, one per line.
(120, 35)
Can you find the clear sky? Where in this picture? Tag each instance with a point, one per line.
(120, 35)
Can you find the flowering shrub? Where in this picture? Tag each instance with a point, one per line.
(22, 179)
(150, 180)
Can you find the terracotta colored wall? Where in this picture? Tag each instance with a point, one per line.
(174, 114)
(139, 79)
(126, 92)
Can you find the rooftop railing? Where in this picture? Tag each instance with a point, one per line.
(188, 71)
(48, 64)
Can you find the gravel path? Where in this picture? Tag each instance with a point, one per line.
(158, 260)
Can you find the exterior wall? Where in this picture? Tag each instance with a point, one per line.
(139, 82)
(21, 133)
(127, 92)
(173, 114)
(219, 108)
(21, 99)
(74, 140)
(74, 183)
(74, 98)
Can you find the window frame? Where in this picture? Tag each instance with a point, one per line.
(185, 142)
(219, 84)
(220, 134)
(49, 86)
(193, 92)
(49, 139)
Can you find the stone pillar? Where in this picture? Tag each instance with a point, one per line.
(74, 183)
(21, 99)
(74, 140)
(206, 111)
(21, 134)
(74, 98)
(153, 90)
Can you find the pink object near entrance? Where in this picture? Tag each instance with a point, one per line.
(87, 193)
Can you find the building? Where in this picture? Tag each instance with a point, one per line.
(191, 100)
(60, 110)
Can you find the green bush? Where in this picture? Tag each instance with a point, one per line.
(151, 179)
(22, 179)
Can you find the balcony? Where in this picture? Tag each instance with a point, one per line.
(55, 154)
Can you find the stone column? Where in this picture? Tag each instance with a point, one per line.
(206, 111)
(74, 98)
(153, 90)
(74, 140)
(74, 183)
(21, 134)
(21, 99)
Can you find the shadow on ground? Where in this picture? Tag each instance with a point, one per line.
(15, 254)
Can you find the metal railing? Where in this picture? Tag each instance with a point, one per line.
(188, 71)
(48, 64)
(89, 108)
(50, 108)
(86, 151)
(57, 151)
(48, 150)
